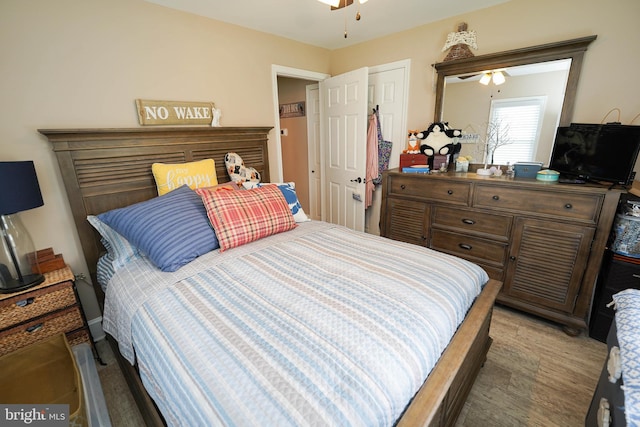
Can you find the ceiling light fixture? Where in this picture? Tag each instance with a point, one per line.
(339, 4)
(497, 77)
(332, 3)
(485, 79)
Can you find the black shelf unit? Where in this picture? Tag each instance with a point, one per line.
(617, 274)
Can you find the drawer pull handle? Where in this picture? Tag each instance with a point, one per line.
(468, 221)
(35, 328)
(512, 258)
(25, 302)
(568, 206)
(637, 276)
(403, 186)
(449, 192)
(465, 246)
(496, 197)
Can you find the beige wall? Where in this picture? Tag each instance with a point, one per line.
(82, 63)
(517, 24)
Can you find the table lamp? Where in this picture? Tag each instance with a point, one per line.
(20, 192)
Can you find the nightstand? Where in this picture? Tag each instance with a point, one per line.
(42, 311)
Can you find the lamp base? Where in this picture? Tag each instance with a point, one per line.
(13, 285)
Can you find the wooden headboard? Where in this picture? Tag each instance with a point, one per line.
(104, 169)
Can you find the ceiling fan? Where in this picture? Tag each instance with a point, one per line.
(497, 76)
(339, 4)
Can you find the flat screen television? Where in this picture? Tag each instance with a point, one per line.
(595, 152)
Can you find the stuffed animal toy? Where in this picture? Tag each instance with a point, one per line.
(438, 140)
(413, 145)
(237, 171)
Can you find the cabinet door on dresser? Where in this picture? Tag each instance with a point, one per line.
(547, 262)
(407, 221)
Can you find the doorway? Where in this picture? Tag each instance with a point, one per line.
(388, 88)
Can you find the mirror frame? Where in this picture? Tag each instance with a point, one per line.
(569, 49)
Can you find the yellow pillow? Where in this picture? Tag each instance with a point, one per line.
(194, 174)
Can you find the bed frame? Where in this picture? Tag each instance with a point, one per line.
(104, 169)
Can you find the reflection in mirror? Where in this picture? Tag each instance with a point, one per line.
(528, 103)
(536, 97)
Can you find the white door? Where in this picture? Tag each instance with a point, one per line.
(388, 91)
(343, 131)
(313, 138)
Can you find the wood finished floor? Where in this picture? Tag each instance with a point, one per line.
(535, 375)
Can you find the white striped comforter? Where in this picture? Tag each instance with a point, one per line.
(316, 326)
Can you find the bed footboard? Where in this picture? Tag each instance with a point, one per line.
(442, 396)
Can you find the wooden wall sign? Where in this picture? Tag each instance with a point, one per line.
(294, 109)
(158, 113)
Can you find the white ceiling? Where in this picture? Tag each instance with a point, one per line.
(312, 22)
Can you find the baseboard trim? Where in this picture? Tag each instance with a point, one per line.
(95, 326)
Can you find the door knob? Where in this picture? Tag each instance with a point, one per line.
(358, 180)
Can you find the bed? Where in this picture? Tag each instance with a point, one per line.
(398, 370)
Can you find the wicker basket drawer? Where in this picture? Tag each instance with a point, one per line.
(79, 337)
(43, 327)
(23, 307)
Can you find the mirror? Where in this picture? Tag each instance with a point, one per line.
(549, 71)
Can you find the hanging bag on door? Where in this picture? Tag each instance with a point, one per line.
(384, 151)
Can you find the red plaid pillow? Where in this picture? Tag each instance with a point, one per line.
(240, 217)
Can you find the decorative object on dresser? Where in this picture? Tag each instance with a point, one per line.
(22, 194)
(616, 400)
(42, 311)
(544, 241)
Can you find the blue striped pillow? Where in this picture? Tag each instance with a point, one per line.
(171, 230)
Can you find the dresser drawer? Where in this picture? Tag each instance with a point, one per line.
(469, 221)
(567, 205)
(23, 307)
(27, 333)
(431, 189)
(469, 247)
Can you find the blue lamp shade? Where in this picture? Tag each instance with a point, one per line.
(21, 191)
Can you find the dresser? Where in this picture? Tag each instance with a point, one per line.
(40, 312)
(544, 241)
